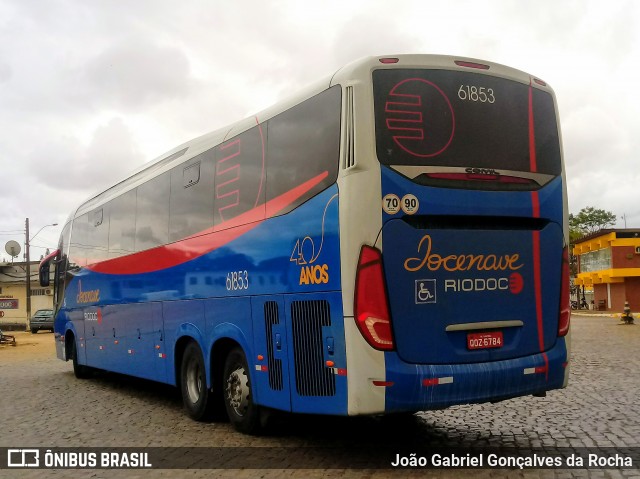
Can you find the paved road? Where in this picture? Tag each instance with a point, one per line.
(43, 405)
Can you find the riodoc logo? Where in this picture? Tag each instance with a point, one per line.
(425, 291)
(513, 283)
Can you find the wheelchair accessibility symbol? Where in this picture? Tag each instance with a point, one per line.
(425, 291)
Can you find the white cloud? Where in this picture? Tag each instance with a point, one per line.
(66, 164)
(135, 73)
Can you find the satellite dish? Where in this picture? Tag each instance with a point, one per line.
(12, 248)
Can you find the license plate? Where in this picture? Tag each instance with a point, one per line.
(485, 340)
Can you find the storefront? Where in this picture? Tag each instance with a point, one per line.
(609, 262)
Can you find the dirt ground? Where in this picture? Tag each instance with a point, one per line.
(28, 346)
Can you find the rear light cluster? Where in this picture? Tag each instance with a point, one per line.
(565, 305)
(370, 302)
(480, 177)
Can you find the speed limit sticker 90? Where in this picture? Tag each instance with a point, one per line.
(392, 204)
(409, 204)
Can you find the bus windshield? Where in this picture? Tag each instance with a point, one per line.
(450, 118)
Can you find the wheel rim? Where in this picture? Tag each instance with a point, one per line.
(194, 381)
(237, 391)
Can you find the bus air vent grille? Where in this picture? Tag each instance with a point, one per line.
(271, 318)
(307, 320)
(349, 135)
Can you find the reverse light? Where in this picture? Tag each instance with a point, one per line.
(565, 305)
(370, 302)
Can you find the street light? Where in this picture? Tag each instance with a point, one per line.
(28, 272)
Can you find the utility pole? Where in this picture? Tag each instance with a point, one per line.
(28, 277)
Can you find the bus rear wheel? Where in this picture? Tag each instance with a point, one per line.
(193, 384)
(243, 413)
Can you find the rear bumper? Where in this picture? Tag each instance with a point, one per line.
(418, 387)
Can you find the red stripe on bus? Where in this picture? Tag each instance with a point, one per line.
(196, 245)
(533, 163)
(538, 286)
(535, 207)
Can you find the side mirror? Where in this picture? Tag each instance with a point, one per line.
(44, 270)
(44, 274)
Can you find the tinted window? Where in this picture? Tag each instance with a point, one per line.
(304, 143)
(79, 243)
(122, 224)
(62, 264)
(152, 213)
(191, 204)
(239, 187)
(452, 118)
(98, 235)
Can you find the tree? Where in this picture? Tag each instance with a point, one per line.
(588, 221)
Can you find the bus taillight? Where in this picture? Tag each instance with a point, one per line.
(565, 305)
(370, 302)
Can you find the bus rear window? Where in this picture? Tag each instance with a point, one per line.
(460, 119)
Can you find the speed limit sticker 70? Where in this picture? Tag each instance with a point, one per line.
(391, 204)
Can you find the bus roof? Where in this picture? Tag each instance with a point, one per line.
(355, 72)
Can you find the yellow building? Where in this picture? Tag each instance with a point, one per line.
(609, 261)
(13, 293)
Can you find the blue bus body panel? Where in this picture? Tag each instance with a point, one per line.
(465, 257)
(423, 387)
(132, 322)
(428, 300)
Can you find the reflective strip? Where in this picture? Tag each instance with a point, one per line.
(382, 383)
(260, 367)
(538, 370)
(339, 371)
(437, 381)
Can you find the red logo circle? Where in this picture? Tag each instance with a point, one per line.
(516, 283)
(420, 117)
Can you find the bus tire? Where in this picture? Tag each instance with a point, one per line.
(243, 413)
(80, 371)
(193, 384)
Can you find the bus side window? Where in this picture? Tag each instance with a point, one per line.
(61, 265)
(152, 213)
(78, 245)
(98, 235)
(303, 143)
(122, 224)
(240, 168)
(191, 203)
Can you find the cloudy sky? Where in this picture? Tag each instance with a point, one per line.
(90, 90)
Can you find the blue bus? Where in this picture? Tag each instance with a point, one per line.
(392, 239)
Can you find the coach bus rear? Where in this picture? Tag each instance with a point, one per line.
(462, 286)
